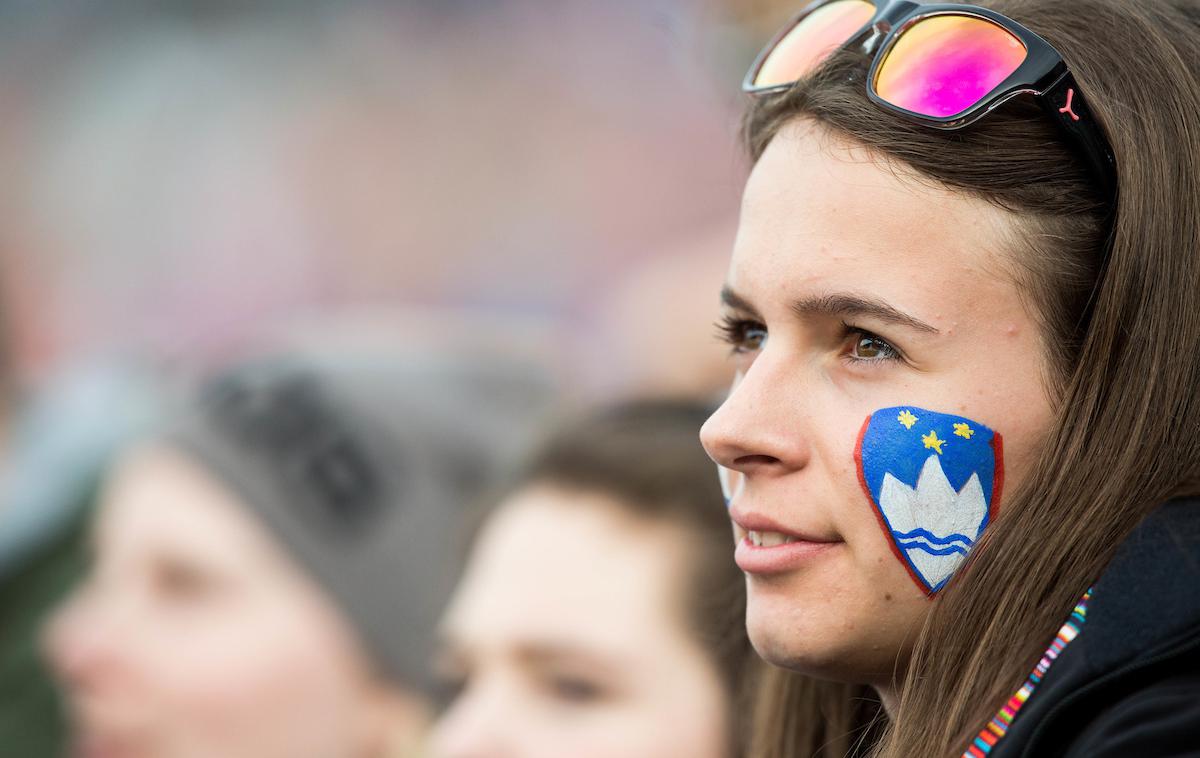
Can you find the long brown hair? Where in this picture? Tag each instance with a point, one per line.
(1117, 297)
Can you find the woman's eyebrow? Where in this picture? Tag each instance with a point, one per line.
(842, 304)
(737, 302)
(548, 653)
(849, 305)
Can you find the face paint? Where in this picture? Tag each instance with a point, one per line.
(934, 481)
(732, 482)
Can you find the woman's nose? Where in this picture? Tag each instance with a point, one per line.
(76, 641)
(761, 427)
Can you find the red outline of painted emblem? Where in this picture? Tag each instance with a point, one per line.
(997, 444)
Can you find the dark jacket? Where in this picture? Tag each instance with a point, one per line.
(1129, 684)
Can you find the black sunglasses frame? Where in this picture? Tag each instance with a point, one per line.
(1043, 74)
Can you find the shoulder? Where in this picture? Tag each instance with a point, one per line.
(1159, 719)
(1143, 644)
(1129, 684)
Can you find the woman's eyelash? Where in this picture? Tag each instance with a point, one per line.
(746, 336)
(864, 339)
(742, 335)
(729, 329)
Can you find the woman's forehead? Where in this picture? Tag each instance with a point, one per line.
(582, 571)
(821, 216)
(160, 499)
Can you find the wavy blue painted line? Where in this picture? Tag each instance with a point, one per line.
(951, 550)
(919, 532)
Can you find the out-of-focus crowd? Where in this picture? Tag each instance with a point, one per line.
(352, 358)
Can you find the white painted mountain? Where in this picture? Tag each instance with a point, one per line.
(934, 506)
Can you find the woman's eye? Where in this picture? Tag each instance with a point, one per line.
(177, 582)
(868, 347)
(575, 690)
(743, 335)
(753, 340)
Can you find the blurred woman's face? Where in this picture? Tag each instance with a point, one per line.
(853, 289)
(567, 637)
(195, 637)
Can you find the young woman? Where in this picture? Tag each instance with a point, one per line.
(600, 615)
(964, 304)
(269, 570)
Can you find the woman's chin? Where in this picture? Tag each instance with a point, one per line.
(787, 637)
(781, 642)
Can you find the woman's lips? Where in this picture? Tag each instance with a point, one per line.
(766, 547)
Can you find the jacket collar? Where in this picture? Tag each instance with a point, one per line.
(1148, 598)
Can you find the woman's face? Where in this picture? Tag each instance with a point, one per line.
(567, 637)
(195, 637)
(855, 287)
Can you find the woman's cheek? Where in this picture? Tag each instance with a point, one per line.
(265, 681)
(933, 482)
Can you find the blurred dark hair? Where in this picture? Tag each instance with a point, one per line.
(646, 456)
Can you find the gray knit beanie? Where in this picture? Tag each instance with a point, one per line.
(362, 470)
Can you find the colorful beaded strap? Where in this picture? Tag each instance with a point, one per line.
(998, 726)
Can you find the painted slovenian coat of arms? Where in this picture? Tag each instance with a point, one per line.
(934, 480)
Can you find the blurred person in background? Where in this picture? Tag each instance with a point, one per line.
(177, 170)
(600, 612)
(58, 437)
(270, 566)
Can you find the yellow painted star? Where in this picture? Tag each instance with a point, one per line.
(964, 431)
(932, 442)
(907, 418)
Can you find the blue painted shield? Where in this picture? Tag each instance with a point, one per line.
(934, 480)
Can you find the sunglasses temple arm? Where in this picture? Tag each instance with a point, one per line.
(1065, 104)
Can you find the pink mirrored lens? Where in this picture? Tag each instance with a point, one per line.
(812, 40)
(942, 65)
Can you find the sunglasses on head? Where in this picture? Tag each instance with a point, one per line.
(943, 65)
